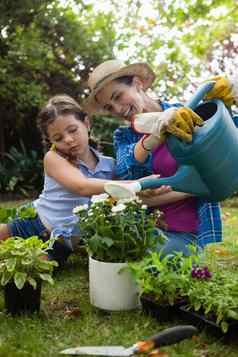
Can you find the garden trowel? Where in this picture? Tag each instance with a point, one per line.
(167, 337)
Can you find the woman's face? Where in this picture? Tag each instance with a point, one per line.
(69, 135)
(122, 99)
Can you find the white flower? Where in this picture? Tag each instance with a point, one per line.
(118, 208)
(144, 206)
(127, 200)
(78, 209)
(138, 200)
(99, 198)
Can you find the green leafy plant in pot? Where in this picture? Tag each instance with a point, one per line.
(164, 283)
(115, 233)
(23, 266)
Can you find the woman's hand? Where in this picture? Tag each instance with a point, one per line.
(154, 192)
(225, 89)
(180, 122)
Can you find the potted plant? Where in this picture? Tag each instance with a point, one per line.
(163, 283)
(23, 266)
(115, 233)
(212, 298)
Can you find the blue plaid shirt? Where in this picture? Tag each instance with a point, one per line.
(128, 168)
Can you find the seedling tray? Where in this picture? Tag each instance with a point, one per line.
(202, 321)
(162, 313)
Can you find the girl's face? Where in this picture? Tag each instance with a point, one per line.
(69, 135)
(121, 99)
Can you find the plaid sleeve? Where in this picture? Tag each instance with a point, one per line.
(127, 167)
(210, 226)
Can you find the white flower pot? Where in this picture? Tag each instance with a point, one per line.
(110, 288)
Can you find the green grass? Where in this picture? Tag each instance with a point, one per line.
(67, 319)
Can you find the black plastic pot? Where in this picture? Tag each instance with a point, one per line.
(25, 300)
(201, 321)
(162, 313)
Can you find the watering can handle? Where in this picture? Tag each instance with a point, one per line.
(199, 95)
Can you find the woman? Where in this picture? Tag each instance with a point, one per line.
(120, 90)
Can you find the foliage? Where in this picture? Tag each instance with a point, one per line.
(171, 279)
(183, 40)
(166, 280)
(46, 48)
(103, 129)
(21, 171)
(117, 231)
(22, 260)
(215, 298)
(9, 214)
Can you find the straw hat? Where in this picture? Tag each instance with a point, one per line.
(107, 72)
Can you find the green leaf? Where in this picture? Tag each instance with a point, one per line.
(6, 277)
(47, 277)
(32, 282)
(197, 305)
(11, 264)
(224, 326)
(108, 241)
(20, 279)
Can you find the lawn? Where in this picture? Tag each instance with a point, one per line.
(67, 319)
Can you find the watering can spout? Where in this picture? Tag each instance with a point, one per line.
(186, 176)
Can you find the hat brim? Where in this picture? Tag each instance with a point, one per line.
(140, 70)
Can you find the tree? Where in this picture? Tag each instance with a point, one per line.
(46, 49)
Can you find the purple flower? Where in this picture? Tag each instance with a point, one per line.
(201, 273)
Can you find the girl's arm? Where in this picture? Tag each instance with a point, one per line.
(70, 177)
(164, 198)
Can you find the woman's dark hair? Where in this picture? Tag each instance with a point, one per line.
(125, 80)
(56, 106)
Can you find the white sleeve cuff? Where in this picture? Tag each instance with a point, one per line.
(233, 79)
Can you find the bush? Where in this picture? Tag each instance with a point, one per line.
(21, 171)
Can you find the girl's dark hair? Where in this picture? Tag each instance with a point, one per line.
(56, 106)
(125, 80)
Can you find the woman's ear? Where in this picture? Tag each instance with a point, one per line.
(137, 83)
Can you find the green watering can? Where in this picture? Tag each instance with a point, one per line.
(208, 165)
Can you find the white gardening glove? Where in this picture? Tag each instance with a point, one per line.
(225, 89)
(119, 190)
(155, 124)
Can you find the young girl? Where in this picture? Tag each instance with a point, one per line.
(74, 171)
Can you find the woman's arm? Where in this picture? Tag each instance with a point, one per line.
(140, 152)
(70, 177)
(164, 198)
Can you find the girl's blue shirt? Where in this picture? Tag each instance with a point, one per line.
(55, 204)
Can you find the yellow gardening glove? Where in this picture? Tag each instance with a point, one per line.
(223, 90)
(184, 124)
